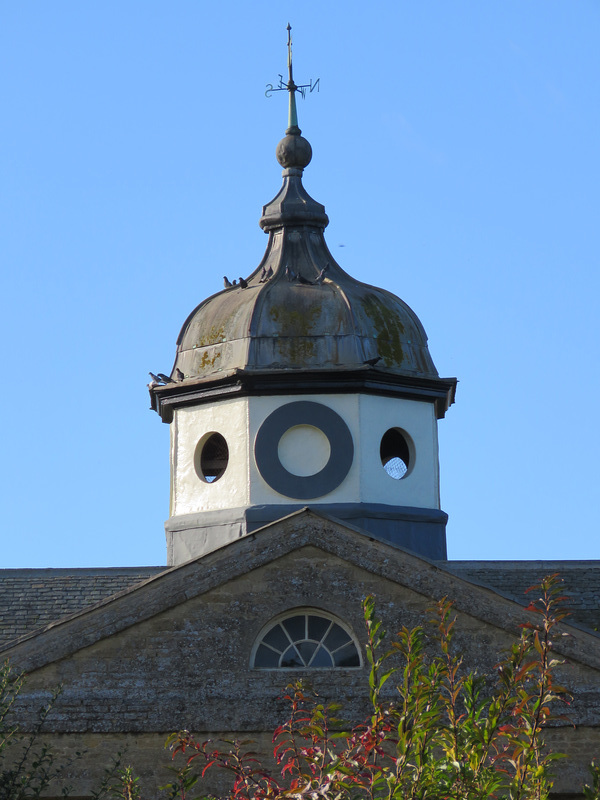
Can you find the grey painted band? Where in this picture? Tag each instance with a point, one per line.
(420, 530)
(265, 514)
(329, 423)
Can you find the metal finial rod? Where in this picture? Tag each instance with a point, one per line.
(290, 86)
(289, 30)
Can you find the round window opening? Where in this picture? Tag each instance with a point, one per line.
(395, 453)
(212, 457)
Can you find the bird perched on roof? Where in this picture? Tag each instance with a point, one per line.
(295, 277)
(243, 283)
(372, 361)
(179, 374)
(266, 274)
(226, 282)
(154, 382)
(165, 378)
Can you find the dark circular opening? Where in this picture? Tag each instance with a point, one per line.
(214, 458)
(395, 454)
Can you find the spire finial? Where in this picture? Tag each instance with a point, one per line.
(292, 88)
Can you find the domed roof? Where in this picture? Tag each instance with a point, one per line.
(303, 322)
(309, 314)
(299, 312)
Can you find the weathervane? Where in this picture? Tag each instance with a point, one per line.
(290, 86)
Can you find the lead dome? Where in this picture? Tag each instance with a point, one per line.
(301, 313)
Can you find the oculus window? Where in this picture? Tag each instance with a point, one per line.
(306, 639)
(396, 453)
(211, 458)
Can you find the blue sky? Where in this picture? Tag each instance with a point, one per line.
(456, 152)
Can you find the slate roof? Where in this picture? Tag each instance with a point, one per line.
(31, 598)
(513, 578)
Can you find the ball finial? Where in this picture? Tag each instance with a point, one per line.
(294, 151)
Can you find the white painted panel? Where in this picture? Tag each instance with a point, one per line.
(420, 487)
(368, 417)
(190, 494)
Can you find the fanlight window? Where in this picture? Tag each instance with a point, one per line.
(306, 640)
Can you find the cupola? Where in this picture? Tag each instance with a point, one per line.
(299, 385)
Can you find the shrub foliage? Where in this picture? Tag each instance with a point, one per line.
(446, 733)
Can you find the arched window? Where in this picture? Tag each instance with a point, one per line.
(305, 638)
